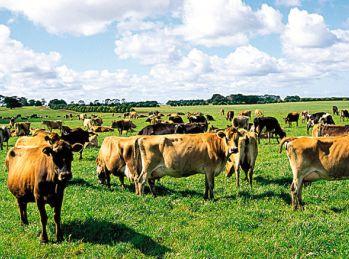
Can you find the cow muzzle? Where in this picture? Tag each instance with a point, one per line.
(64, 175)
(233, 150)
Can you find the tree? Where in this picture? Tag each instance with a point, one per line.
(12, 102)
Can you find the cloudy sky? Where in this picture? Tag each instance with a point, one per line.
(173, 49)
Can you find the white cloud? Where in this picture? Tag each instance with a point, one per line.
(307, 30)
(226, 22)
(82, 17)
(289, 3)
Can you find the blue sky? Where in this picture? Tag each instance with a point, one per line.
(171, 49)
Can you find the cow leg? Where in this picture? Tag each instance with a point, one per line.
(80, 154)
(23, 211)
(296, 194)
(250, 175)
(269, 137)
(107, 180)
(140, 182)
(237, 177)
(151, 183)
(206, 188)
(210, 183)
(57, 219)
(121, 178)
(43, 216)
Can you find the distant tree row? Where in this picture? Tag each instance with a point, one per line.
(15, 101)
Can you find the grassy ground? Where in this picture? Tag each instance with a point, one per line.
(258, 223)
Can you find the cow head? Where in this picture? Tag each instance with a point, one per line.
(231, 137)
(62, 157)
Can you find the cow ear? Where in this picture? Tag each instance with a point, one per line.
(221, 134)
(76, 147)
(47, 151)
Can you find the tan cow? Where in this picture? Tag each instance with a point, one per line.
(115, 154)
(245, 113)
(133, 115)
(245, 158)
(101, 129)
(185, 155)
(258, 113)
(93, 141)
(313, 159)
(41, 138)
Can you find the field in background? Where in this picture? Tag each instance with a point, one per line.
(259, 222)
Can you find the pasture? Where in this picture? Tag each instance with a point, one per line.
(98, 222)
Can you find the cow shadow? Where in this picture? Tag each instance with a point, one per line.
(284, 181)
(102, 232)
(165, 191)
(83, 183)
(268, 194)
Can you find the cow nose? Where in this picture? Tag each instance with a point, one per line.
(65, 176)
(234, 150)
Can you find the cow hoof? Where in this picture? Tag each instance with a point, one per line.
(43, 240)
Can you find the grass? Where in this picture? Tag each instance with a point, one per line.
(98, 222)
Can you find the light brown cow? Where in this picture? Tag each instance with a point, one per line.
(258, 113)
(245, 158)
(39, 174)
(321, 130)
(229, 116)
(185, 155)
(245, 113)
(115, 154)
(133, 115)
(305, 117)
(101, 129)
(93, 141)
(41, 138)
(313, 159)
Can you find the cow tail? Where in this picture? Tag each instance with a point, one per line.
(285, 141)
(137, 157)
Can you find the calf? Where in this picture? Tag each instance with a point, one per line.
(39, 174)
(292, 117)
(270, 125)
(245, 158)
(313, 159)
(304, 115)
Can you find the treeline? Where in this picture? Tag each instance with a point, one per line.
(218, 99)
(15, 101)
(100, 106)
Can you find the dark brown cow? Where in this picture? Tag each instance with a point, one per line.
(321, 130)
(22, 128)
(270, 125)
(77, 136)
(5, 135)
(39, 174)
(123, 125)
(292, 117)
(230, 115)
(344, 115)
(175, 119)
(335, 110)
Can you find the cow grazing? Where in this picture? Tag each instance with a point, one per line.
(258, 113)
(115, 156)
(270, 125)
(314, 119)
(344, 115)
(292, 117)
(123, 125)
(52, 125)
(39, 174)
(197, 119)
(335, 110)
(229, 116)
(185, 155)
(209, 117)
(320, 130)
(314, 159)
(22, 128)
(326, 119)
(5, 135)
(245, 113)
(82, 116)
(241, 122)
(175, 119)
(77, 136)
(245, 158)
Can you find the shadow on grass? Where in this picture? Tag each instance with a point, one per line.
(285, 181)
(102, 232)
(83, 183)
(164, 191)
(268, 194)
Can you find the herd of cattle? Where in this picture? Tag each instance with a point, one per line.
(39, 164)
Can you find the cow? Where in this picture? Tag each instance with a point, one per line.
(258, 113)
(335, 110)
(270, 125)
(314, 159)
(92, 141)
(175, 119)
(53, 125)
(245, 158)
(185, 155)
(65, 129)
(161, 129)
(321, 130)
(117, 156)
(123, 125)
(314, 119)
(126, 114)
(326, 119)
(133, 115)
(190, 128)
(229, 116)
(292, 117)
(209, 117)
(245, 113)
(82, 116)
(12, 122)
(5, 135)
(87, 123)
(40, 138)
(39, 174)
(344, 115)
(77, 136)
(101, 129)
(197, 119)
(222, 112)
(22, 128)
(241, 122)
(304, 116)
(96, 121)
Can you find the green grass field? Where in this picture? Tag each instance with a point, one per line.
(260, 222)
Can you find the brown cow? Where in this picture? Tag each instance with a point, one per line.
(258, 113)
(117, 156)
(123, 125)
(22, 128)
(41, 138)
(229, 116)
(321, 130)
(101, 129)
(52, 125)
(5, 135)
(245, 158)
(314, 159)
(245, 113)
(39, 174)
(185, 155)
(292, 117)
